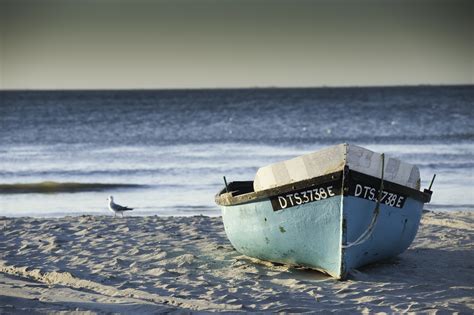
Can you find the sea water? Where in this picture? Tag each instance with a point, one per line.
(168, 150)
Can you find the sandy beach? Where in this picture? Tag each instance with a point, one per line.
(161, 264)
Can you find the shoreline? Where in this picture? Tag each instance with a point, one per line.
(216, 212)
(157, 263)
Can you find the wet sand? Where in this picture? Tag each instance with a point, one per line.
(161, 264)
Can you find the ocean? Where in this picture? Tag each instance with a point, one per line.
(165, 152)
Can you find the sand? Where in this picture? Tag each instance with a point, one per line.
(155, 264)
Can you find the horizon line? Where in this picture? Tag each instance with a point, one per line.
(236, 88)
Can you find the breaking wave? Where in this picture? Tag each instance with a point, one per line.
(55, 187)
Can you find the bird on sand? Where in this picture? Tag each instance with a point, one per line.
(116, 208)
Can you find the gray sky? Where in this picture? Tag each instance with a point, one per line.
(67, 44)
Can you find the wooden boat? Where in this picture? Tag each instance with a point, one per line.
(331, 210)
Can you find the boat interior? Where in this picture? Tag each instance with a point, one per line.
(238, 188)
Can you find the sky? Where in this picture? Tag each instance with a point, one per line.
(106, 44)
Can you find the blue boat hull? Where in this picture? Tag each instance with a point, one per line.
(318, 234)
(394, 230)
(308, 235)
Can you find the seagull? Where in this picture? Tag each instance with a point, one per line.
(116, 208)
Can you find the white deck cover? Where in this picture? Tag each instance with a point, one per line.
(333, 159)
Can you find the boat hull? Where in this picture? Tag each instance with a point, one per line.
(394, 230)
(289, 236)
(319, 234)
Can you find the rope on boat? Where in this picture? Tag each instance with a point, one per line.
(370, 229)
